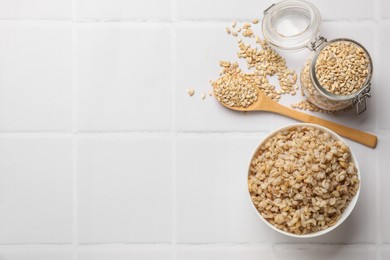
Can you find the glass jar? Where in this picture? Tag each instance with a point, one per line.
(292, 25)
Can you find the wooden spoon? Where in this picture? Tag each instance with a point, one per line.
(264, 103)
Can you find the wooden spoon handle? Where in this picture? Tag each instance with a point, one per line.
(348, 132)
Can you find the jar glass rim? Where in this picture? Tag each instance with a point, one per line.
(283, 13)
(321, 89)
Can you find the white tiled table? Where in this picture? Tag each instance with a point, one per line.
(103, 155)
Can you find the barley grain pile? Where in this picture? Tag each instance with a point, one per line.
(236, 87)
(342, 68)
(301, 180)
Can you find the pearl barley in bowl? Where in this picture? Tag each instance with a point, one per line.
(303, 180)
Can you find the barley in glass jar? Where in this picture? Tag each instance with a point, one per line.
(338, 72)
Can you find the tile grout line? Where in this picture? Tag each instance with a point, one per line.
(168, 21)
(54, 133)
(74, 129)
(174, 130)
(377, 19)
(170, 134)
(36, 246)
(174, 201)
(181, 245)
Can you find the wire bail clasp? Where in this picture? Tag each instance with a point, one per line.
(360, 100)
(266, 10)
(317, 42)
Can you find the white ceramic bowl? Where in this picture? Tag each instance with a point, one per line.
(346, 212)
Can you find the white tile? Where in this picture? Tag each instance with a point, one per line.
(220, 9)
(35, 77)
(360, 227)
(199, 50)
(124, 189)
(36, 254)
(35, 9)
(385, 8)
(122, 9)
(345, 10)
(124, 254)
(224, 253)
(124, 77)
(362, 33)
(212, 200)
(230, 9)
(36, 190)
(384, 153)
(383, 77)
(385, 252)
(342, 252)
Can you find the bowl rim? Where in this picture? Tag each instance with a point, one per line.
(351, 204)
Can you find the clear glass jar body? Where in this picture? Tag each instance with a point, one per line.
(320, 97)
(314, 95)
